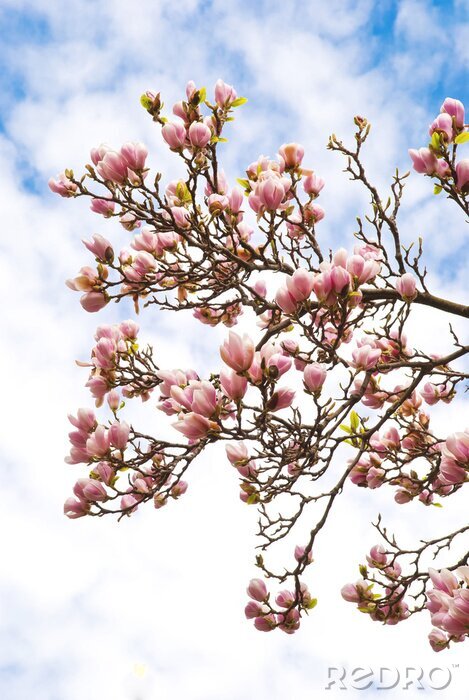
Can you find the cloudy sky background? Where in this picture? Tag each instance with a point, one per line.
(83, 602)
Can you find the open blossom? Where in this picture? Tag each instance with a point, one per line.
(74, 508)
(233, 385)
(424, 161)
(63, 185)
(292, 154)
(432, 393)
(365, 357)
(237, 352)
(113, 167)
(377, 557)
(195, 426)
(134, 155)
(100, 247)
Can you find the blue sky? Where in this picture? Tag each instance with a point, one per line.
(86, 601)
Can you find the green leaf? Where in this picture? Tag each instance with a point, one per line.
(354, 421)
(345, 428)
(437, 505)
(145, 101)
(239, 101)
(437, 189)
(253, 498)
(363, 570)
(312, 603)
(462, 138)
(435, 141)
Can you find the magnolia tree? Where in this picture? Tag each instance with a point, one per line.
(331, 324)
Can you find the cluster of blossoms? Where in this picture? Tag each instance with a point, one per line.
(389, 608)
(287, 619)
(448, 603)
(333, 329)
(446, 130)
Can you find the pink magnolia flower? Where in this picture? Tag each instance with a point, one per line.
(314, 212)
(199, 134)
(105, 472)
(257, 589)
(300, 551)
(271, 193)
(292, 154)
(432, 393)
(85, 419)
(375, 477)
(100, 247)
(340, 279)
(94, 301)
(455, 109)
(313, 184)
(179, 489)
(76, 508)
(62, 185)
(90, 490)
(290, 622)
(174, 133)
(438, 639)
(286, 301)
(266, 623)
(119, 435)
(462, 174)
(129, 221)
(225, 94)
(134, 155)
(97, 154)
(195, 426)
(237, 352)
(98, 443)
(105, 207)
(237, 453)
(233, 385)
(254, 609)
(377, 557)
(282, 398)
(443, 125)
(181, 217)
(113, 167)
(300, 284)
(217, 203)
(424, 161)
(365, 357)
(314, 376)
(457, 447)
(406, 287)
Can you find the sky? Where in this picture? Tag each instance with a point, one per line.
(152, 608)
